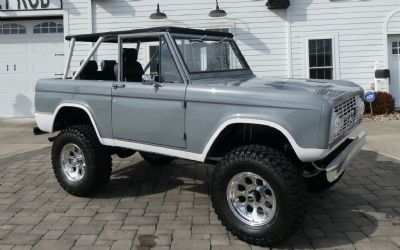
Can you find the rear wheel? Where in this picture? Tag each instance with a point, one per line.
(156, 159)
(81, 164)
(258, 194)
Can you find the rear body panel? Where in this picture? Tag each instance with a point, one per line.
(94, 95)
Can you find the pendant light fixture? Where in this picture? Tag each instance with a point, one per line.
(217, 12)
(158, 15)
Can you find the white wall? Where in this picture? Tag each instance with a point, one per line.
(262, 34)
(357, 26)
(394, 23)
(78, 23)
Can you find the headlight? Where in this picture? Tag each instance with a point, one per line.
(360, 109)
(336, 126)
(345, 115)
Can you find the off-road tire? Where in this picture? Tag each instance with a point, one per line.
(156, 159)
(98, 160)
(285, 180)
(319, 182)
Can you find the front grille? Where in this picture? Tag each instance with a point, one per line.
(347, 112)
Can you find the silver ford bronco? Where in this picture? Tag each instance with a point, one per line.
(190, 94)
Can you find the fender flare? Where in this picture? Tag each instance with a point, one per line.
(46, 121)
(304, 154)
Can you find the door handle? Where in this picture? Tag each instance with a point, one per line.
(15, 67)
(118, 85)
(7, 67)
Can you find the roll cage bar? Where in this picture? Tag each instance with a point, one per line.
(143, 35)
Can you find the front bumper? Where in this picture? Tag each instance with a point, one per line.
(336, 163)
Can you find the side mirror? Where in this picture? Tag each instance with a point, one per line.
(158, 84)
(152, 80)
(148, 80)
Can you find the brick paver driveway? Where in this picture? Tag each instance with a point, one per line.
(149, 207)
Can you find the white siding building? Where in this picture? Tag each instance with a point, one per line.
(333, 39)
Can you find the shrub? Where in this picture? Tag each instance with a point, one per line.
(384, 104)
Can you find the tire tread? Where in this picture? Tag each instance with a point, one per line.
(282, 166)
(101, 159)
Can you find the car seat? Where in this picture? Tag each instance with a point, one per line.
(89, 72)
(107, 68)
(133, 70)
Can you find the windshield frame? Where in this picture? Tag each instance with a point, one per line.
(217, 73)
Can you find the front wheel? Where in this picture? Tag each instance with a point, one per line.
(258, 194)
(81, 164)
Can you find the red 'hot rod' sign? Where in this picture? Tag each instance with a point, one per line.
(17, 5)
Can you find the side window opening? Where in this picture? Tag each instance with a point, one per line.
(149, 60)
(169, 71)
(102, 66)
(132, 61)
(154, 64)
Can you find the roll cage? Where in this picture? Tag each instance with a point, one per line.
(145, 35)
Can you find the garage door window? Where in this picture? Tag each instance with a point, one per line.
(48, 27)
(12, 29)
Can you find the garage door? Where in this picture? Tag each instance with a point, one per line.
(29, 50)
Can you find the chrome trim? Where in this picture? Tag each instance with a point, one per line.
(73, 162)
(335, 144)
(251, 199)
(340, 163)
(347, 112)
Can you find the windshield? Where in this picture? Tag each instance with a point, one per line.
(210, 55)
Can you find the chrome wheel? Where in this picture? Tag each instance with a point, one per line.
(73, 162)
(251, 199)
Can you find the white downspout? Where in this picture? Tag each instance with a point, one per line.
(289, 43)
(90, 17)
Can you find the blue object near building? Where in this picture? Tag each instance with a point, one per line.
(370, 96)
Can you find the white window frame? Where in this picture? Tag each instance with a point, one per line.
(335, 53)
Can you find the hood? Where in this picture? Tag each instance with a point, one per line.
(297, 92)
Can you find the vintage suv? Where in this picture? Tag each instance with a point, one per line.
(190, 94)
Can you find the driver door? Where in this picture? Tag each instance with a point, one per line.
(151, 111)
